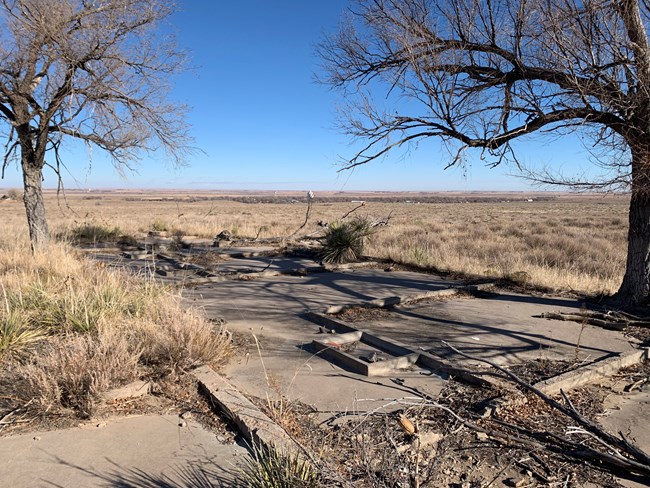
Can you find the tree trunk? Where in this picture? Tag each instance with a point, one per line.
(635, 289)
(32, 177)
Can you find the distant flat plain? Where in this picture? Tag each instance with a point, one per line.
(561, 242)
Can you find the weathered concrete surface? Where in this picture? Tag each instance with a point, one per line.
(286, 364)
(500, 327)
(147, 451)
(503, 327)
(629, 413)
(284, 295)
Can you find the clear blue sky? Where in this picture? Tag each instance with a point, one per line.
(264, 123)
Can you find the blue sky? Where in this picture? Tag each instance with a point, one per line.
(264, 123)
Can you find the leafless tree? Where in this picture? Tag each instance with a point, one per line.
(96, 71)
(482, 73)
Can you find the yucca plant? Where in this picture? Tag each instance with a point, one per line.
(344, 242)
(269, 468)
(16, 335)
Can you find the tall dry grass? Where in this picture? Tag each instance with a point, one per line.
(563, 246)
(70, 329)
(570, 243)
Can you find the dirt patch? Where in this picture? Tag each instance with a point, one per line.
(542, 369)
(362, 314)
(376, 449)
(641, 334)
(206, 258)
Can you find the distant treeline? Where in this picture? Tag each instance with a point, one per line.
(283, 199)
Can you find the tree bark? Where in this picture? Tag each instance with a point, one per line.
(33, 197)
(635, 288)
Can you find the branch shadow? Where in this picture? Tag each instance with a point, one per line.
(198, 474)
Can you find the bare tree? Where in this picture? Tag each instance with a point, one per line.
(481, 73)
(92, 70)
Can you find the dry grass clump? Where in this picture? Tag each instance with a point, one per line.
(269, 468)
(55, 292)
(174, 339)
(70, 329)
(72, 371)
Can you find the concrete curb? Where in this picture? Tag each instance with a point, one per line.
(404, 355)
(403, 299)
(591, 372)
(254, 425)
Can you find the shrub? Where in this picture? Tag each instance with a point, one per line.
(94, 233)
(16, 336)
(159, 226)
(344, 242)
(15, 194)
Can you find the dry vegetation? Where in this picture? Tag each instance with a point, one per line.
(570, 243)
(71, 330)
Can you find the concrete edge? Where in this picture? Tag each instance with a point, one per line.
(584, 375)
(403, 299)
(256, 427)
(427, 360)
(591, 372)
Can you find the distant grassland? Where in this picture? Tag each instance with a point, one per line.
(562, 243)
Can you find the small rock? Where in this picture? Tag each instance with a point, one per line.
(186, 415)
(182, 423)
(134, 389)
(401, 449)
(224, 235)
(100, 425)
(515, 483)
(37, 438)
(482, 436)
(430, 439)
(373, 357)
(221, 438)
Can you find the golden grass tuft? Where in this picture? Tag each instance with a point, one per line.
(72, 371)
(70, 329)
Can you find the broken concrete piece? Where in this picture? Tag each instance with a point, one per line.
(134, 389)
(254, 425)
(591, 372)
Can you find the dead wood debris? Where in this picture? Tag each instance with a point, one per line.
(613, 320)
(594, 444)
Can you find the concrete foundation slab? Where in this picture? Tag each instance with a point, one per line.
(147, 451)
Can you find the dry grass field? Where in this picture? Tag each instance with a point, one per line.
(70, 330)
(556, 242)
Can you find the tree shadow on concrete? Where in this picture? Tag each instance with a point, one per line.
(191, 475)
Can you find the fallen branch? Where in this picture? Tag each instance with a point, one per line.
(362, 204)
(624, 454)
(609, 320)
